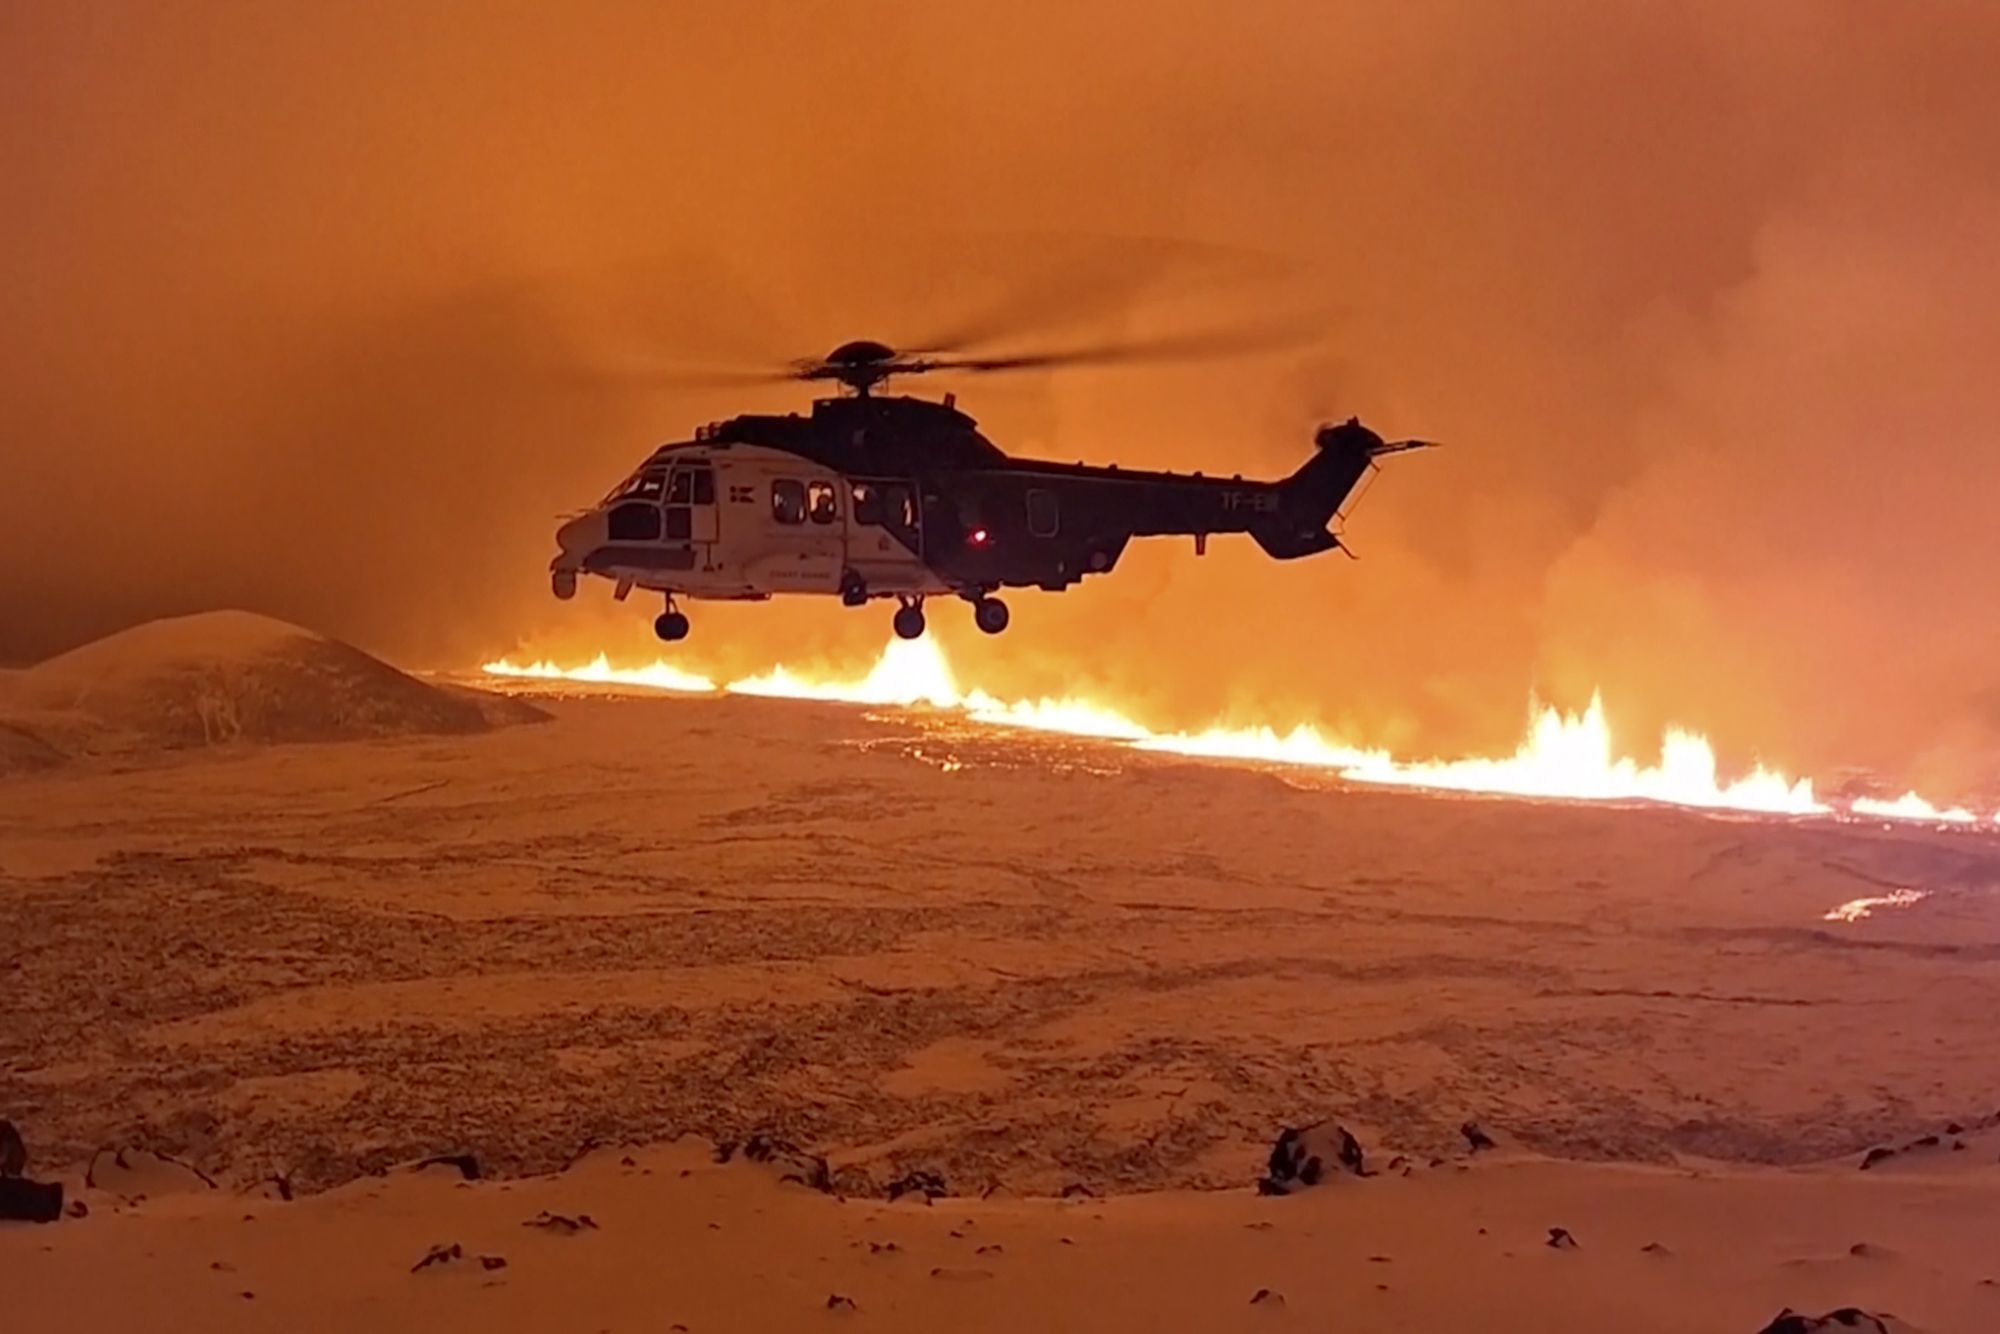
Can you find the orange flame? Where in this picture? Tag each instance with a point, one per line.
(1562, 756)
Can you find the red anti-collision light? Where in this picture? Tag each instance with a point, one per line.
(978, 538)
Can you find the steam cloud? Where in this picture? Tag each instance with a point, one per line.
(328, 313)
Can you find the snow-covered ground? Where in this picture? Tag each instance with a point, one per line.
(1020, 961)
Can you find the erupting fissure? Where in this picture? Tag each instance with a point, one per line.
(1563, 756)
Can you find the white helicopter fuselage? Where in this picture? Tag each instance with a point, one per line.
(734, 522)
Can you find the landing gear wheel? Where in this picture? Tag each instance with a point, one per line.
(910, 621)
(563, 584)
(990, 615)
(671, 626)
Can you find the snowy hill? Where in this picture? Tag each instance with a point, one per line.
(221, 678)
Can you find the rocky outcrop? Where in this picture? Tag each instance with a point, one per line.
(1307, 1156)
(22, 1200)
(784, 1160)
(1846, 1320)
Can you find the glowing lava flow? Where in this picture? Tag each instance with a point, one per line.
(1563, 756)
(1910, 806)
(599, 671)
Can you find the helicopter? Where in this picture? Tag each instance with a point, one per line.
(888, 496)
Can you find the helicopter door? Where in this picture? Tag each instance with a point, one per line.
(690, 507)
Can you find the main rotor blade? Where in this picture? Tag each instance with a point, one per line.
(1098, 276)
(1178, 347)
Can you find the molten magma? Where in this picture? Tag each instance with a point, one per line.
(1563, 756)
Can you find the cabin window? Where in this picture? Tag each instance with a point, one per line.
(888, 505)
(788, 501)
(820, 502)
(704, 487)
(635, 522)
(1044, 515)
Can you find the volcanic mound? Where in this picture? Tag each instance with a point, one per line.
(222, 678)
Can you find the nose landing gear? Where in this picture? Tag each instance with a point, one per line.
(563, 584)
(670, 624)
(909, 620)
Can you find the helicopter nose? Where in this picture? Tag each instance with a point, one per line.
(580, 536)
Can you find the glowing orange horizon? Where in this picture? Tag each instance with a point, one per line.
(1562, 756)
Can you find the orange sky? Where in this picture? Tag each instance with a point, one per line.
(294, 301)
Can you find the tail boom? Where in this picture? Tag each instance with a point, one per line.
(1309, 499)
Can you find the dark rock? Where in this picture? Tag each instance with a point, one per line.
(13, 1151)
(1654, 1248)
(1478, 1139)
(562, 1223)
(1954, 1129)
(492, 1262)
(1876, 1155)
(990, 1248)
(467, 1164)
(1958, 1146)
(1267, 1298)
(922, 1182)
(1560, 1239)
(26, 1201)
(281, 1183)
(1305, 1157)
(440, 1254)
(836, 1302)
(851, 1181)
(1077, 1190)
(883, 1247)
(78, 1209)
(1924, 1142)
(1789, 1321)
(788, 1161)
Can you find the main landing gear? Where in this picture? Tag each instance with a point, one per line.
(988, 613)
(670, 624)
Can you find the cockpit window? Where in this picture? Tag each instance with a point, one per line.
(680, 488)
(639, 486)
(634, 521)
